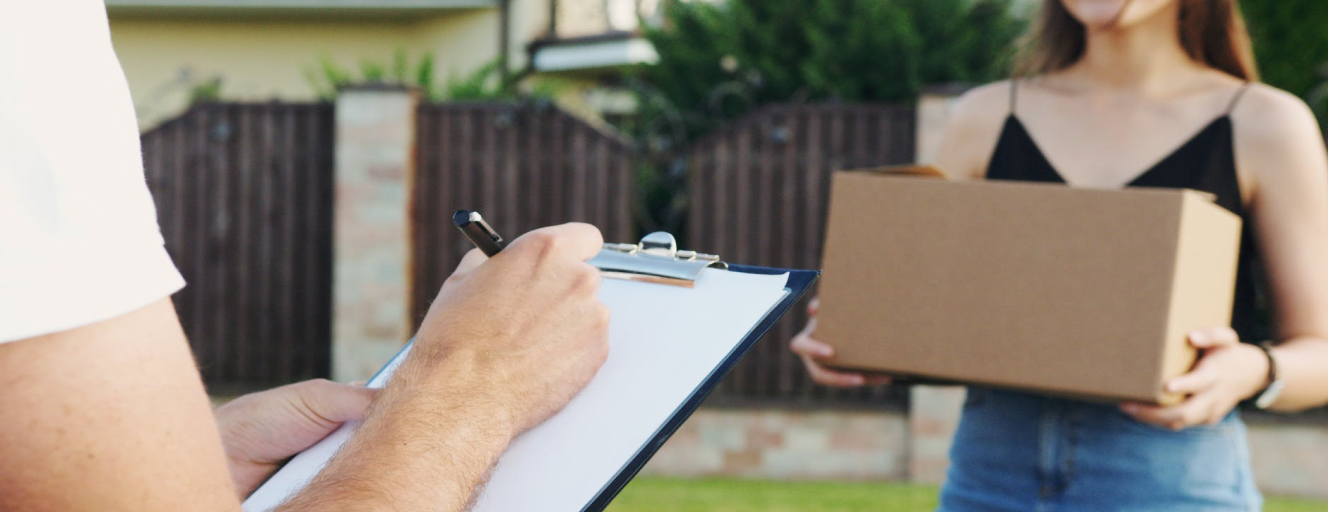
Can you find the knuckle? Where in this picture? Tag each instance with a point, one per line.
(587, 279)
(538, 245)
(544, 242)
(597, 349)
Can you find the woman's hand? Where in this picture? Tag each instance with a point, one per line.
(260, 430)
(812, 352)
(1227, 372)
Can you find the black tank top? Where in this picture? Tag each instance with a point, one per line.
(1205, 162)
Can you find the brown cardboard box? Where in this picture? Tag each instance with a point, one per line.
(1069, 291)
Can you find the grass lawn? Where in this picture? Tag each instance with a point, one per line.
(672, 495)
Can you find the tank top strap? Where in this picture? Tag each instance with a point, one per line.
(1236, 97)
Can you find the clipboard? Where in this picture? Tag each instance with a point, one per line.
(654, 262)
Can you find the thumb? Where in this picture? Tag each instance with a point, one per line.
(1214, 338)
(330, 402)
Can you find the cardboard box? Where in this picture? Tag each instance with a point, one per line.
(1069, 291)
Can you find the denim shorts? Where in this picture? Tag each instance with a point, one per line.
(1018, 452)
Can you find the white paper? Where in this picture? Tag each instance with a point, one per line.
(663, 342)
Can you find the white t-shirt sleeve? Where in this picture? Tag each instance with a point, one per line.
(79, 240)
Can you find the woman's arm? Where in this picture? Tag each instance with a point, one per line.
(1281, 159)
(1279, 145)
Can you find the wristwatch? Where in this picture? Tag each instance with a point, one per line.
(1271, 392)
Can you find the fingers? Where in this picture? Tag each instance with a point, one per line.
(1201, 379)
(805, 346)
(813, 306)
(1216, 337)
(575, 239)
(1199, 409)
(833, 378)
(810, 351)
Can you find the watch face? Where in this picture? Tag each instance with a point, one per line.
(1270, 395)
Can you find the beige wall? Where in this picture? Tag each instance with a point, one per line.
(260, 57)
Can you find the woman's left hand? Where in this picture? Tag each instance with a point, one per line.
(1227, 372)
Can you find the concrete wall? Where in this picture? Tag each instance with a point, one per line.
(1288, 459)
(261, 56)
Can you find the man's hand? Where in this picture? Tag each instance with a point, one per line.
(506, 344)
(260, 430)
(529, 320)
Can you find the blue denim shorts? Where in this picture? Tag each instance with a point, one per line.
(1018, 452)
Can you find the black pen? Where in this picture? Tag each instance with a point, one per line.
(472, 225)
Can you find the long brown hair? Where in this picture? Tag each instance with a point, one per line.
(1211, 31)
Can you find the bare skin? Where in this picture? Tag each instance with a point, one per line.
(1132, 98)
(113, 416)
(261, 430)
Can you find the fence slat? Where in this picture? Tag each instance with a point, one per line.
(243, 194)
(758, 195)
(529, 165)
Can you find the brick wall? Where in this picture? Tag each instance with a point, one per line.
(786, 445)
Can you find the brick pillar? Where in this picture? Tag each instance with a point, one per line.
(934, 411)
(375, 168)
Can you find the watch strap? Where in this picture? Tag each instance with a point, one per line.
(1272, 390)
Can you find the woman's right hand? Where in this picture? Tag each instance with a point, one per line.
(813, 352)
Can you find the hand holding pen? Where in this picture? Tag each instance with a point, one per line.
(542, 322)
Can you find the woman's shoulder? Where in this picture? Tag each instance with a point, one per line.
(993, 101)
(1266, 112)
(972, 129)
(1276, 134)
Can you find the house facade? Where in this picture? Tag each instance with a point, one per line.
(258, 50)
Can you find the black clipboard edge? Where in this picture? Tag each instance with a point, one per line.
(799, 281)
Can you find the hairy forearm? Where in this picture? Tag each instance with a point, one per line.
(1302, 362)
(424, 446)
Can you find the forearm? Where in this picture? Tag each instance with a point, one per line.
(423, 447)
(1302, 362)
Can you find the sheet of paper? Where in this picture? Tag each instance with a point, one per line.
(663, 343)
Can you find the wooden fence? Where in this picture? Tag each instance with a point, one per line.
(244, 195)
(758, 193)
(524, 165)
(244, 198)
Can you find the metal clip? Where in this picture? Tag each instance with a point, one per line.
(655, 259)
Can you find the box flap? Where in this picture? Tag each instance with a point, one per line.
(922, 171)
